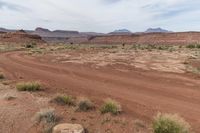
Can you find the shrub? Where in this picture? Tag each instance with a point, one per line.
(30, 45)
(198, 46)
(28, 86)
(111, 106)
(1, 76)
(85, 104)
(167, 123)
(46, 115)
(190, 46)
(64, 100)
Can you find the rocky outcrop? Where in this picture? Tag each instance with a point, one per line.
(68, 128)
(20, 37)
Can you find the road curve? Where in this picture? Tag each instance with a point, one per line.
(141, 93)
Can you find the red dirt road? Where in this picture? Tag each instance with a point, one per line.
(141, 93)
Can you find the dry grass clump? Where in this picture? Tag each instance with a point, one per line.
(28, 86)
(167, 123)
(64, 100)
(47, 118)
(111, 106)
(46, 115)
(85, 104)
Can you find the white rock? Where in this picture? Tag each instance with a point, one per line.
(68, 128)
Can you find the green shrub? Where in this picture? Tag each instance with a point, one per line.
(85, 104)
(28, 86)
(167, 123)
(64, 100)
(111, 106)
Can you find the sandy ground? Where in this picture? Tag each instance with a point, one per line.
(140, 84)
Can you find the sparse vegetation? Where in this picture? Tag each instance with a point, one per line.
(84, 104)
(46, 115)
(30, 45)
(151, 47)
(167, 123)
(198, 46)
(111, 106)
(1, 76)
(192, 46)
(48, 118)
(64, 100)
(28, 86)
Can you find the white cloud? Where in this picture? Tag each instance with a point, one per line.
(100, 15)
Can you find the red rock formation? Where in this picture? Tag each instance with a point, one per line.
(149, 38)
(20, 37)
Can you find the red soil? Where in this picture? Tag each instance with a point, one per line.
(141, 93)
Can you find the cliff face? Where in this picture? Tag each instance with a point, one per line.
(149, 38)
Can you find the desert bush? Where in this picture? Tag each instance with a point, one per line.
(198, 46)
(167, 123)
(29, 46)
(28, 86)
(46, 115)
(1, 76)
(111, 106)
(64, 100)
(191, 46)
(84, 104)
(107, 47)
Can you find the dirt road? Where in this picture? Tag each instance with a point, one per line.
(141, 93)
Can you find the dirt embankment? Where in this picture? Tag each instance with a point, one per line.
(19, 37)
(148, 38)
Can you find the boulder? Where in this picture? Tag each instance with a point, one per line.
(68, 128)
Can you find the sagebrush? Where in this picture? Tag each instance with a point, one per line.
(168, 123)
(111, 106)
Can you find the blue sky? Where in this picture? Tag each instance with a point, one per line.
(101, 15)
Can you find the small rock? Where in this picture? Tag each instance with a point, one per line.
(68, 128)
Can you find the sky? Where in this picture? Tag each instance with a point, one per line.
(101, 15)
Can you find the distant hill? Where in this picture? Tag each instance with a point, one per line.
(121, 32)
(6, 30)
(156, 30)
(57, 33)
